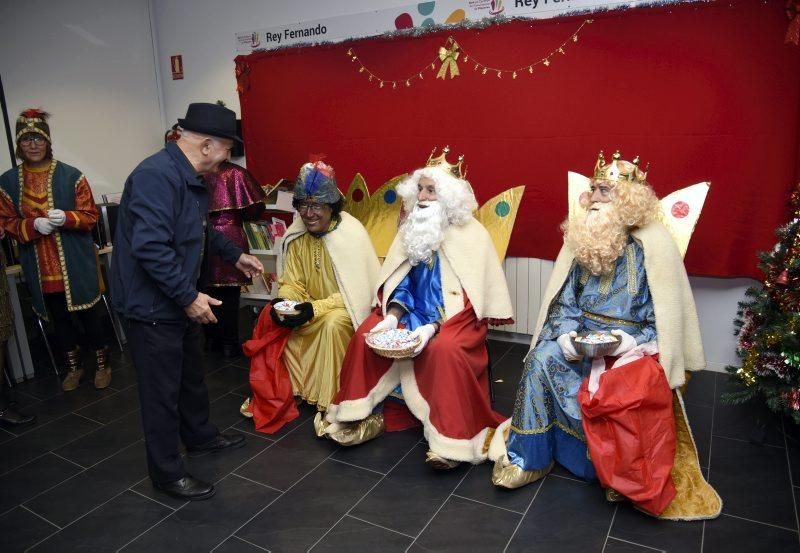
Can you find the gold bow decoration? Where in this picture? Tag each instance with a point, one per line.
(448, 57)
(452, 51)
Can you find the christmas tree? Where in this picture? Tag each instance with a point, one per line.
(768, 326)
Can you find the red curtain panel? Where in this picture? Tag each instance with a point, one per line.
(705, 91)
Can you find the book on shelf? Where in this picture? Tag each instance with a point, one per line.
(258, 236)
(276, 229)
(263, 235)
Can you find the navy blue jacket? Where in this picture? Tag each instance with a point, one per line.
(161, 237)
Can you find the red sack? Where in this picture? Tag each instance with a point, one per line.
(273, 402)
(630, 431)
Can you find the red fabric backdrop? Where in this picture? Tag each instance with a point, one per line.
(702, 91)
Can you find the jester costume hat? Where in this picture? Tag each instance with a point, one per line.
(33, 121)
(316, 182)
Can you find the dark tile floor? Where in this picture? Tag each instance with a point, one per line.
(77, 481)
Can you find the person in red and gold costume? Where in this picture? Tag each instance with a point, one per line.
(234, 197)
(442, 280)
(47, 206)
(617, 418)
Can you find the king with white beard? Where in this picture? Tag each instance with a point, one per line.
(443, 281)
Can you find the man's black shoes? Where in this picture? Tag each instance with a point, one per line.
(187, 488)
(11, 418)
(218, 443)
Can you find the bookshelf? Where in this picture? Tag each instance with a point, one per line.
(265, 237)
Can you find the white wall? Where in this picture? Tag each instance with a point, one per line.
(717, 301)
(90, 64)
(5, 156)
(203, 31)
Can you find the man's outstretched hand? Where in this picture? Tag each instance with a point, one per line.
(249, 265)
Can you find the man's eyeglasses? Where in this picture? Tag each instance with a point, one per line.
(27, 140)
(313, 208)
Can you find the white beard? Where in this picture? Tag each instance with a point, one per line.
(423, 231)
(598, 240)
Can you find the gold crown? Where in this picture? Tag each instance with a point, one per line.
(441, 161)
(616, 172)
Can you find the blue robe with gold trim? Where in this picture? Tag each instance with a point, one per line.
(546, 424)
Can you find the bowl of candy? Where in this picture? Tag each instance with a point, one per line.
(595, 343)
(286, 307)
(394, 344)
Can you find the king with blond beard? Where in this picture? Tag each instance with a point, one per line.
(442, 280)
(620, 272)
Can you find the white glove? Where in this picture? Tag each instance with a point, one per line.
(568, 348)
(43, 225)
(388, 323)
(425, 333)
(57, 217)
(626, 342)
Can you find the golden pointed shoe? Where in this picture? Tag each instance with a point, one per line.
(74, 371)
(247, 408)
(613, 496)
(508, 475)
(102, 376)
(321, 426)
(440, 463)
(358, 432)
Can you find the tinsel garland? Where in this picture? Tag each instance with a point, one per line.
(449, 57)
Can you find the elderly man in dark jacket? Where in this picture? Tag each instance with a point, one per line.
(161, 248)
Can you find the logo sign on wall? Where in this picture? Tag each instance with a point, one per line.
(423, 14)
(176, 62)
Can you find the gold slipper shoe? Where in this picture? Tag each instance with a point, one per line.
(440, 463)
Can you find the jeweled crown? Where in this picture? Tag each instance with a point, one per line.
(618, 172)
(441, 161)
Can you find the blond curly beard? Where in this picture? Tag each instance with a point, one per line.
(598, 239)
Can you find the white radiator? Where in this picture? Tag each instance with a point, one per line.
(527, 279)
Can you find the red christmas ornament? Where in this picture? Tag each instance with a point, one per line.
(783, 278)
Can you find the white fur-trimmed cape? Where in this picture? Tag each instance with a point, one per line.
(468, 261)
(679, 344)
(355, 263)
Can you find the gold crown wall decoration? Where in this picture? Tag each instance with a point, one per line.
(457, 170)
(616, 171)
(379, 212)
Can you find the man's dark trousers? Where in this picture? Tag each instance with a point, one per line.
(172, 392)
